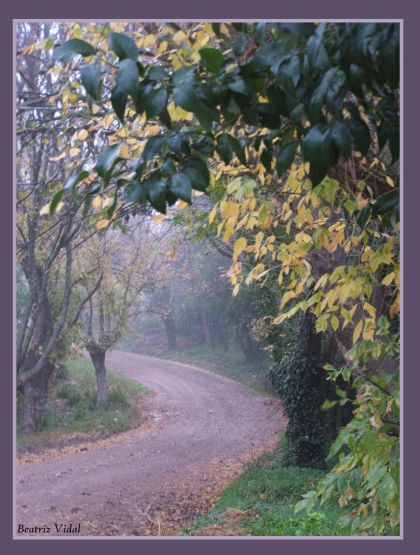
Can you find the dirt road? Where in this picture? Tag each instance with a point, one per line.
(202, 429)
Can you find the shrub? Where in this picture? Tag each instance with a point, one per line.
(70, 393)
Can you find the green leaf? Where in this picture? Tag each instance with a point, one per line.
(224, 148)
(360, 133)
(363, 216)
(180, 185)
(327, 404)
(342, 138)
(119, 103)
(285, 158)
(157, 73)
(122, 46)
(376, 472)
(56, 200)
(75, 179)
(156, 193)
(198, 174)
(388, 490)
(329, 92)
(72, 182)
(126, 83)
(316, 55)
(135, 193)
(156, 102)
(185, 95)
(320, 151)
(266, 158)
(153, 147)
(91, 80)
(127, 79)
(289, 73)
(72, 48)
(106, 160)
(212, 59)
(389, 201)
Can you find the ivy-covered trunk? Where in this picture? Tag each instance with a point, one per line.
(302, 385)
(97, 356)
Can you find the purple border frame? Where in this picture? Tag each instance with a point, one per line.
(237, 9)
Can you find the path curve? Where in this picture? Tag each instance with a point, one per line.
(153, 481)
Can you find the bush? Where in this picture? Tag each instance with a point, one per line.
(118, 396)
(70, 393)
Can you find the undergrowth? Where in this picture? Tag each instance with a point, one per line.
(71, 406)
(266, 495)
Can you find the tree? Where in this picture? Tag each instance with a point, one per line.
(122, 266)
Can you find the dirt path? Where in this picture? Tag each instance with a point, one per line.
(153, 480)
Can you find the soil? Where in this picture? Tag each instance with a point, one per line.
(200, 432)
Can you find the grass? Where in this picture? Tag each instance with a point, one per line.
(71, 406)
(265, 496)
(227, 362)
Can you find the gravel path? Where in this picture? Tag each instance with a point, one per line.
(201, 430)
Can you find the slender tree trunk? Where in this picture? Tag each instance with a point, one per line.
(98, 360)
(35, 392)
(205, 324)
(170, 330)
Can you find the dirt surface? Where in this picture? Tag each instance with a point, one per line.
(201, 431)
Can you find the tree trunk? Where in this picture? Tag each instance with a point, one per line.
(170, 330)
(35, 392)
(98, 360)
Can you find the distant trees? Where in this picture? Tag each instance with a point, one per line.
(122, 266)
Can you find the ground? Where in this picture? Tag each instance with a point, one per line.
(201, 431)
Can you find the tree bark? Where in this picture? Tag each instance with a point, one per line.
(35, 392)
(97, 356)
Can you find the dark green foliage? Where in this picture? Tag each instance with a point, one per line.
(317, 79)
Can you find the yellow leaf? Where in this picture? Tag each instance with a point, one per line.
(357, 331)
(97, 202)
(124, 151)
(334, 322)
(236, 290)
(82, 135)
(59, 157)
(321, 282)
(388, 279)
(45, 209)
(287, 297)
(395, 308)
(229, 209)
(74, 152)
(212, 214)
(159, 218)
(371, 310)
(101, 224)
(95, 109)
(238, 247)
(390, 181)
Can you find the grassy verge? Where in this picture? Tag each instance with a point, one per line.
(227, 362)
(71, 406)
(261, 503)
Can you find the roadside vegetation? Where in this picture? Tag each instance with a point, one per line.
(261, 502)
(72, 407)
